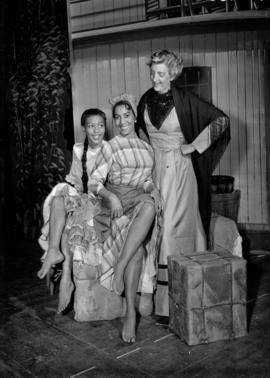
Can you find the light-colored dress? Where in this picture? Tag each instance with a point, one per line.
(182, 229)
(80, 208)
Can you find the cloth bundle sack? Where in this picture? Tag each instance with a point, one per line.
(207, 296)
(224, 235)
(92, 301)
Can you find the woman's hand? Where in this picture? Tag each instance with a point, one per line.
(92, 188)
(155, 194)
(148, 186)
(116, 207)
(112, 202)
(187, 149)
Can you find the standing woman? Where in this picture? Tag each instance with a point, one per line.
(188, 136)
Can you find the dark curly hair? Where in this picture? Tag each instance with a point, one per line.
(87, 113)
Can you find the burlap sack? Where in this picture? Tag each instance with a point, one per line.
(92, 301)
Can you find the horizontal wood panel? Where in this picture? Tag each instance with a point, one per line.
(237, 60)
(101, 13)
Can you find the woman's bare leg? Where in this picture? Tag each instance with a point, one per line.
(56, 226)
(66, 284)
(49, 281)
(136, 236)
(131, 280)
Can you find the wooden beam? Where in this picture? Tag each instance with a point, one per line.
(205, 21)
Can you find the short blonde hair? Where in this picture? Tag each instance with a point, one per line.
(173, 62)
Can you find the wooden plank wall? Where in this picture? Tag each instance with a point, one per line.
(238, 80)
(101, 13)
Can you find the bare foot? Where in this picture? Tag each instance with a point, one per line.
(128, 331)
(65, 291)
(53, 257)
(118, 280)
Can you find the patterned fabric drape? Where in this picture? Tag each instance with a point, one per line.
(37, 102)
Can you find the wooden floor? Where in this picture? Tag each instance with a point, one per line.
(35, 342)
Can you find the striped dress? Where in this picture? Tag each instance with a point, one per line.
(124, 162)
(123, 166)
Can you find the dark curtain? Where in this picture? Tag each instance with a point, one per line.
(39, 108)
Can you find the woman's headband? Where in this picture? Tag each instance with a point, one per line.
(130, 99)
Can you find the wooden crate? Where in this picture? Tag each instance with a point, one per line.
(207, 296)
